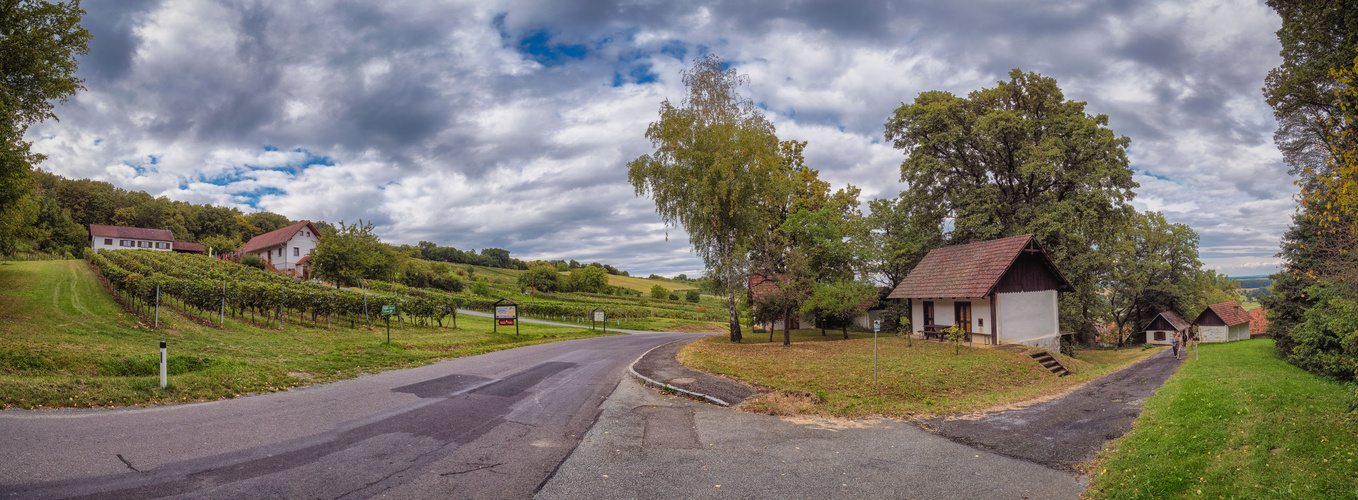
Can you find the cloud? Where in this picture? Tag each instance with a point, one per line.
(509, 124)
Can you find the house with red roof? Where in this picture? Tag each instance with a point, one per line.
(287, 249)
(1161, 330)
(131, 238)
(1224, 322)
(1004, 290)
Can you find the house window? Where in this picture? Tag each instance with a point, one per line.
(124, 243)
(928, 312)
(108, 241)
(296, 251)
(1160, 336)
(962, 311)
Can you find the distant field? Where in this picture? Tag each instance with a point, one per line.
(67, 343)
(644, 285)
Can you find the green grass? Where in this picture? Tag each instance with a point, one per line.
(67, 343)
(1238, 423)
(826, 375)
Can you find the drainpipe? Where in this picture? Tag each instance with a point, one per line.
(994, 326)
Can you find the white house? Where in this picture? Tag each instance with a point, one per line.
(130, 238)
(1161, 330)
(1003, 290)
(287, 249)
(1224, 322)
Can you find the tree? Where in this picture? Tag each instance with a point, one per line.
(711, 153)
(899, 235)
(1020, 158)
(659, 292)
(590, 279)
(1155, 267)
(839, 301)
(543, 278)
(692, 296)
(352, 253)
(40, 43)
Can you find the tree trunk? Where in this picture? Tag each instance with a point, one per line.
(735, 316)
(787, 322)
(845, 326)
(822, 325)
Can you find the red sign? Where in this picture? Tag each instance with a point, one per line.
(506, 322)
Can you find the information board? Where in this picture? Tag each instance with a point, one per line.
(598, 316)
(388, 310)
(505, 312)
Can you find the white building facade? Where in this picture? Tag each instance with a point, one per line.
(130, 238)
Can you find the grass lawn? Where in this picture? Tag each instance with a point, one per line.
(644, 285)
(830, 376)
(67, 343)
(1238, 423)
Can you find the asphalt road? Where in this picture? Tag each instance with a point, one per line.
(648, 445)
(489, 426)
(1065, 432)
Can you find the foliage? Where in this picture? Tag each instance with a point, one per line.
(543, 278)
(1019, 158)
(692, 296)
(589, 279)
(350, 253)
(659, 292)
(1326, 342)
(712, 151)
(488, 257)
(838, 302)
(480, 287)
(252, 260)
(1155, 267)
(955, 334)
(220, 243)
(899, 235)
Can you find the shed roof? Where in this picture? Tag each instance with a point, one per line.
(131, 232)
(277, 237)
(184, 246)
(970, 270)
(1229, 312)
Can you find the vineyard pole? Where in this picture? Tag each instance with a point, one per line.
(221, 320)
(281, 295)
(157, 303)
(365, 306)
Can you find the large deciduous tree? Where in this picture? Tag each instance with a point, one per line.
(39, 44)
(712, 150)
(1021, 158)
(1155, 268)
(352, 252)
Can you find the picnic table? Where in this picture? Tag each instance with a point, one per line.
(934, 331)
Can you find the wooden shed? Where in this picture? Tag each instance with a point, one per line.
(1224, 322)
(1161, 330)
(1004, 290)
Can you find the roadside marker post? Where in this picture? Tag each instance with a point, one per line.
(157, 304)
(387, 311)
(599, 316)
(162, 365)
(876, 327)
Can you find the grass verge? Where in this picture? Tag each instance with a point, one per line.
(66, 343)
(829, 376)
(1237, 423)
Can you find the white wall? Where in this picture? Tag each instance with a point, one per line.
(1214, 334)
(97, 243)
(944, 314)
(1169, 337)
(1025, 317)
(1240, 332)
(303, 243)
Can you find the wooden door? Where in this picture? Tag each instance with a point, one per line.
(928, 314)
(962, 313)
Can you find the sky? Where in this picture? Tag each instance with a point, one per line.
(509, 124)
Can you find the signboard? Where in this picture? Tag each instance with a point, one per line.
(876, 325)
(505, 312)
(388, 310)
(506, 322)
(598, 316)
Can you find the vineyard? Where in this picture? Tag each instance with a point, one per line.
(209, 290)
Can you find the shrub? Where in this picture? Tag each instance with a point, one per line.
(480, 287)
(692, 296)
(673, 296)
(659, 292)
(252, 260)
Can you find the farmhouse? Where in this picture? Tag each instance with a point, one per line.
(1004, 290)
(1161, 330)
(287, 250)
(126, 238)
(1224, 322)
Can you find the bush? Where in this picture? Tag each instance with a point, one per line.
(673, 296)
(659, 292)
(480, 287)
(692, 296)
(252, 260)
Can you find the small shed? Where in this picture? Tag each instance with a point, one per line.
(1005, 290)
(1161, 330)
(1224, 322)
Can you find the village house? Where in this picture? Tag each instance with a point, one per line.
(288, 250)
(1224, 322)
(1161, 330)
(1003, 290)
(128, 238)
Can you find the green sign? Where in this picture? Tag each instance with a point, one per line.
(388, 310)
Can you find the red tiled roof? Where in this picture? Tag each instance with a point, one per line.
(1230, 312)
(304, 261)
(276, 237)
(1258, 320)
(762, 287)
(1176, 321)
(131, 232)
(970, 270)
(184, 246)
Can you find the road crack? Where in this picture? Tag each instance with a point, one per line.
(128, 464)
(473, 469)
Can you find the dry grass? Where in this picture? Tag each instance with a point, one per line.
(829, 376)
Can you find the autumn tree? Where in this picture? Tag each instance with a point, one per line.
(711, 153)
(1020, 158)
(39, 45)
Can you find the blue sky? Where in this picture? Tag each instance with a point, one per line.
(509, 124)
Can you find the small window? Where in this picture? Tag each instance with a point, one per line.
(1159, 336)
(108, 241)
(296, 251)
